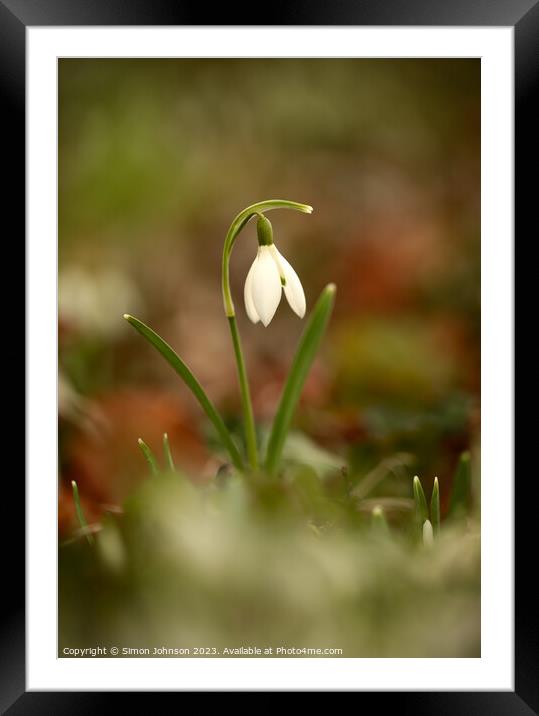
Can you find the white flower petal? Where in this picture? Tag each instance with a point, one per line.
(280, 265)
(248, 295)
(265, 285)
(293, 289)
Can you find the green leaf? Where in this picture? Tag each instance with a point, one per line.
(435, 507)
(150, 457)
(80, 513)
(422, 511)
(299, 449)
(168, 454)
(192, 383)
(301, 364)
(459, 502)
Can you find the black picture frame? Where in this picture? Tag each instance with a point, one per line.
(15, 17)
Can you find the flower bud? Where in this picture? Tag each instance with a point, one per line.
(264, 231)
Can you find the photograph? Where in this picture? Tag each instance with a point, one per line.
(269, 357)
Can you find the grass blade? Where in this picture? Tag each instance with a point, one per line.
(301, 364)
(422, 511)
(459, 501)
(168, 454)
(192, 383)
(150, 457)
(435, 507)
(80, 513)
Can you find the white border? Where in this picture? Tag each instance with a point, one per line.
(494, 670)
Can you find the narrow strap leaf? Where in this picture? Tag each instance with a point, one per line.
(150, 457)
(459, 501)
(192, 383)
(168, 453)
(435, 507)
(422, 511)
(301, 364)
(80, 514)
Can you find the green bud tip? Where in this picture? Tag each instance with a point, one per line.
(264, 231)
(73, 483)
(140, 441)
(377, 511)
(465, 457)
(331, 288)
(127, 316)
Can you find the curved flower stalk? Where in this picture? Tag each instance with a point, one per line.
(264, 303)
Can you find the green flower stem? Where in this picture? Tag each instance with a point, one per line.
(250, 431)
(237, 225)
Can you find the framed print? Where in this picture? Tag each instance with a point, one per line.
(270, 398)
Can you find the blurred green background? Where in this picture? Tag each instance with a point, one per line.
(156, 157)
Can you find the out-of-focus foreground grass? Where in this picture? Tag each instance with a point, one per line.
(297, 563)
(155, 159)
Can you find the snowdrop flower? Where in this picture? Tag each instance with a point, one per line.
(269, 274)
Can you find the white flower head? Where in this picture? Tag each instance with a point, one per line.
(269, 274)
